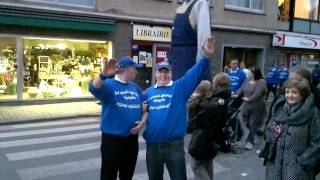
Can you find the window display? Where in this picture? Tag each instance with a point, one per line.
(307, 9)
(8, 66)
(61, 67)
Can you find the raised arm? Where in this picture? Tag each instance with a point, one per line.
(108, 71)
(202, 17)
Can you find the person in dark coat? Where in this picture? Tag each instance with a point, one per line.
(292, 135)
(208, 114)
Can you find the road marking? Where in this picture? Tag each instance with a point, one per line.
(59, 169)
(48, 131)
(144, 176)
(78, 166)
(52, 123)
(52, 151)
(34, 141)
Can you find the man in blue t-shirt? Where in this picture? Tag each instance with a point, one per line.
(236, 76)
(272, 80)
(167, 121)
(283, 74)
(121, 108)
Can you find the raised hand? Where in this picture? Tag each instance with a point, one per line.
(109, 67)
(208, 47)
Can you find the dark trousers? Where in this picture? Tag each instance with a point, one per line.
(271, 88)
(169, 153)
(118, 154)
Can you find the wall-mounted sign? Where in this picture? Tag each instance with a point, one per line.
(162, 54)
(288, 40)
(155, 33)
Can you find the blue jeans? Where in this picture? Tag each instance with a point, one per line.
(169, 153)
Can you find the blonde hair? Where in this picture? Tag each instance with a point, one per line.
(204, 89)
(220, 80)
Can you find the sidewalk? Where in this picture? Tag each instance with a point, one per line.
(26, 113)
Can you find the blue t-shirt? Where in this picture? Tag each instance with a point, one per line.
(236, 78)
(316, 75)
(283, 75)
(121, 106)
(273, 77)
(167, 119)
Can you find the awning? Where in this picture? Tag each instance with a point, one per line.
(58, 20)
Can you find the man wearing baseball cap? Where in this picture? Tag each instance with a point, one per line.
(167, 121)
(121, 109)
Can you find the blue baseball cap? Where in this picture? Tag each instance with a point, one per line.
(127, 61)
(163, 64)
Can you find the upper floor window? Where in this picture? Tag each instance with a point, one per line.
(307, 9)
(246, 5)
(81, 3)
(283, 10)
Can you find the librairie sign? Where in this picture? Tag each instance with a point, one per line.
(148, 33)
(295, 41)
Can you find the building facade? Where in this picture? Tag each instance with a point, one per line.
(50, 49)
(297, 39)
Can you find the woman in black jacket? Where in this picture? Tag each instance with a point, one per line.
(207, 117)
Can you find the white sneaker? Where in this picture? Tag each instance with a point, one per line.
(248, 146)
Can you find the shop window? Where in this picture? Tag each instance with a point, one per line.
(84, 3)
(283, 10)
(245, 5)
(61, 67)
(307, 9)
(142, 54)
(8, 68)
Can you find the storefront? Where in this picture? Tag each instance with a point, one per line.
(52, 67)
(48, 57)
(296, 49)
(150, 45)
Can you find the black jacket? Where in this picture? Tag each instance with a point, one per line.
(207, 119)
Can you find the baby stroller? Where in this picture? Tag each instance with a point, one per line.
(233, 127)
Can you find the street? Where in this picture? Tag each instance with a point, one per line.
(69, 149)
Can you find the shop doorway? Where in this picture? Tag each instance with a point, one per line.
(149, 54)
(250, 56)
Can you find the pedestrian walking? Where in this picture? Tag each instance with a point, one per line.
(253, 93)
(292, 135)
(167, 121)
(121, 109)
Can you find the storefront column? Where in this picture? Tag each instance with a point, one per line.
(20, 68)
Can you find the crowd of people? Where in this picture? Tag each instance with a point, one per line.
(187, 97)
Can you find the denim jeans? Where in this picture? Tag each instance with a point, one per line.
(169, 153)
